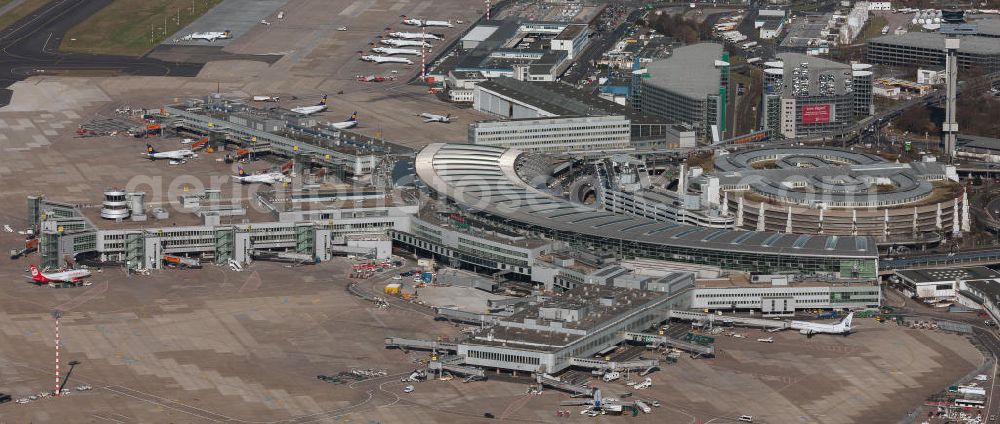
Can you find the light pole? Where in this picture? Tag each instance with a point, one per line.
(56, 314)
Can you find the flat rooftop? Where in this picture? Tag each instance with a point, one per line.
(597, 305)
(979, 143)
(990, 288)
(950, 275)
(690, 71)
(970, 44)
(816, 66)
(806, 29)
(571, 32)
(562, 99)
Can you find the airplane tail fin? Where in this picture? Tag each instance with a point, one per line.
(242, 172)
(847, 320)
(36, 274)
(150, 150)
(354, 117)
(322, 102)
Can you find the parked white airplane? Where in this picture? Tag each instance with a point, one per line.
(209, 36)
(309, 110)
(71, 276)
(152, 154)
(265, 178)
(810, 328)
(386, 59)
(391, 51)
(349, 123)
(415, 35)
(426, 23)
(395, 42)
(430, 117)
(265, 98)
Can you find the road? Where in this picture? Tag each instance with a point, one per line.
(29, 47)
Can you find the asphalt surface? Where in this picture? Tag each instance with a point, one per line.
(987, 337)
(29, 47)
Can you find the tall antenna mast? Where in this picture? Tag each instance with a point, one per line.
(423, 51)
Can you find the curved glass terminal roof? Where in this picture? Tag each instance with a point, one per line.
(484, 178)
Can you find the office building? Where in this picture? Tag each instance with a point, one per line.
(507, 98)
(556, 135)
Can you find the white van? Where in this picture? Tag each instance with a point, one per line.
(746, 418)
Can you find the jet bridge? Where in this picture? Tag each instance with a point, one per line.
(692, 348)
(555, 383)
(454, 366)
(400, 342)
(727, 320)
(600, 364)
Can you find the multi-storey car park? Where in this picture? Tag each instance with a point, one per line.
(807, 96)
(927, 49)
(689, 87)
(490, 185)
(839, 192)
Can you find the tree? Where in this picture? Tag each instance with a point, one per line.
(916, 120)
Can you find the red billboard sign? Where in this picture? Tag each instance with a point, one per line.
(817, 114)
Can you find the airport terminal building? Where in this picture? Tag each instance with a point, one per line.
(213, 231)
(835, 192)
(783, 297)
(487, 186)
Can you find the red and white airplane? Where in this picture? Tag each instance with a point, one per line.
(71, 276)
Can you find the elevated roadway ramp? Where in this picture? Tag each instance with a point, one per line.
(984, 257)
(453, 368)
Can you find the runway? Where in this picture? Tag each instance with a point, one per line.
(30, 47)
